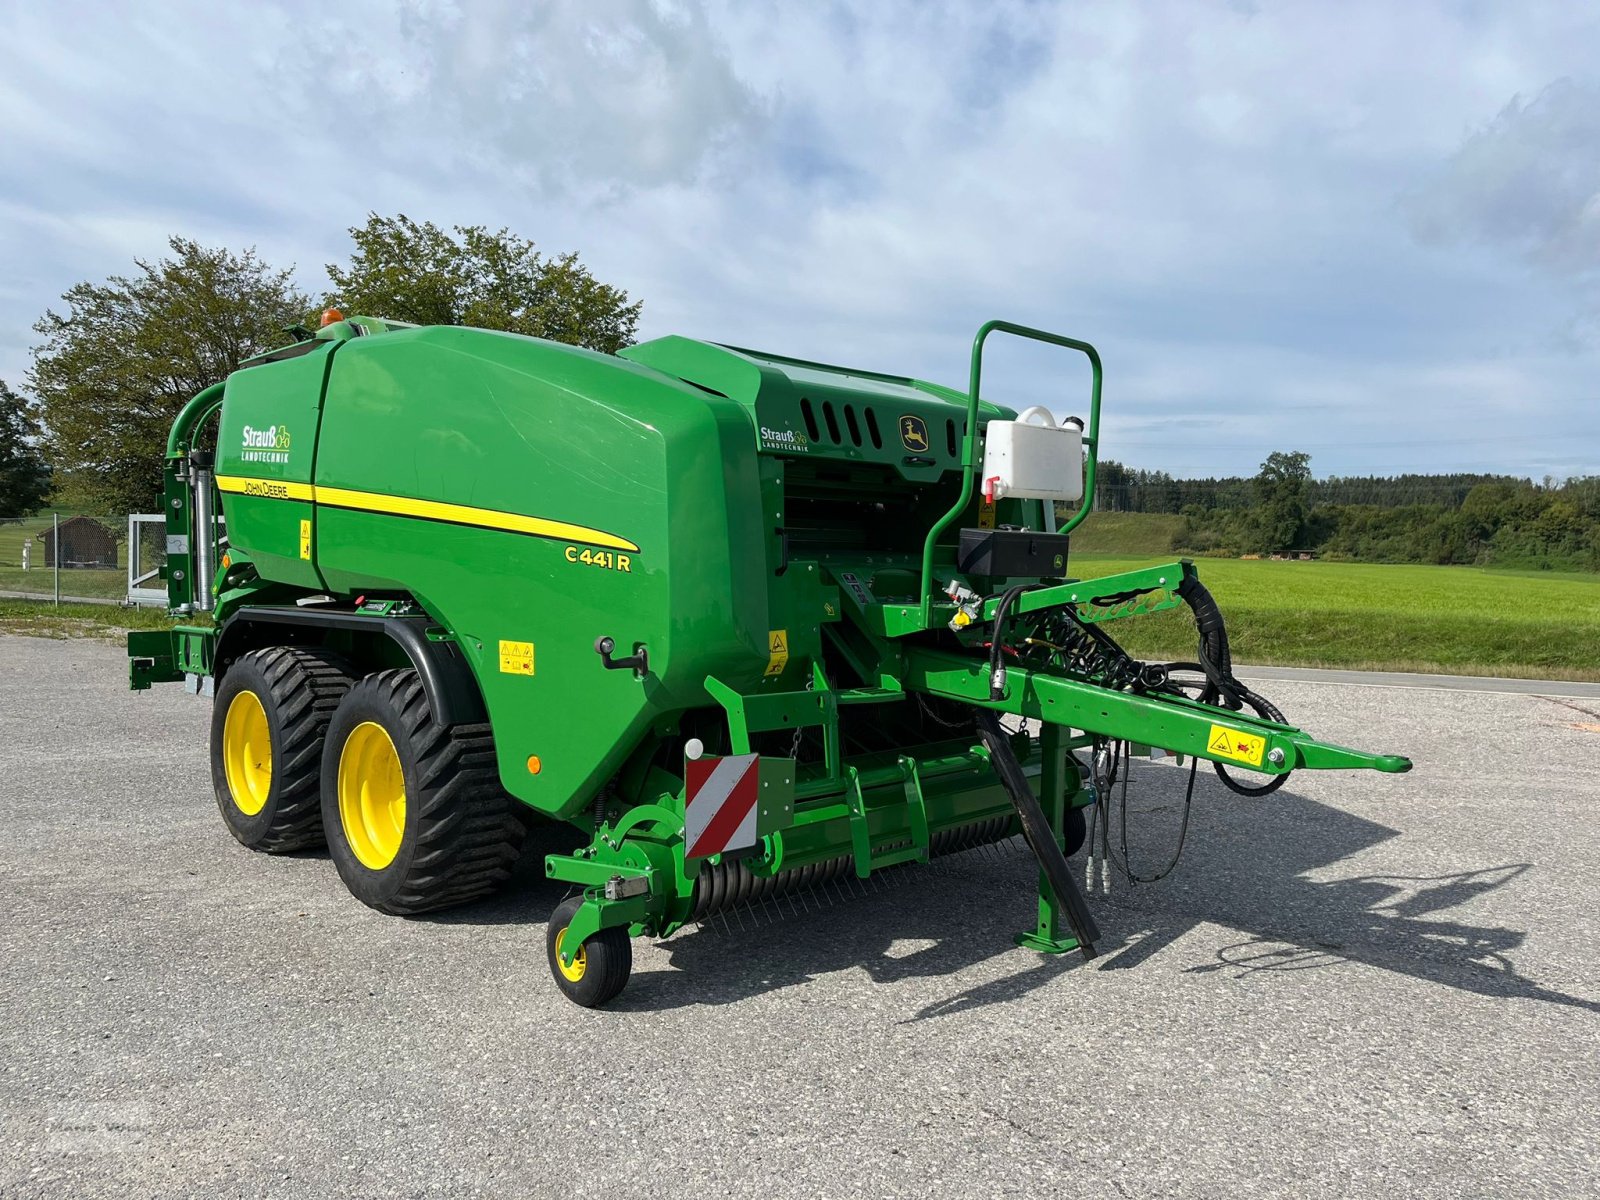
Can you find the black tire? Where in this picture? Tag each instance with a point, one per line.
(1076, 831)
(297, 690)
(460, 833)
(606, 963)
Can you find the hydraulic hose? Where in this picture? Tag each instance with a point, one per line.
(1216, 662)
(1036, 830)
(1002, 612)
(1215, 658)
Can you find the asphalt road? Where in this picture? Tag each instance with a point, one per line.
(1364, 986)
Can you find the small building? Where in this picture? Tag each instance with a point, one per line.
(85, 542)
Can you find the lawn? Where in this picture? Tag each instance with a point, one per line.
(1127, 533)
(75, 581)
(1364, 616)
(41, 618)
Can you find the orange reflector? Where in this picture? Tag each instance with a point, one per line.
(330, 315)
(227, 561)
(534, 765)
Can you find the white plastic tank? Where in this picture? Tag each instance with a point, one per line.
(1033, 457)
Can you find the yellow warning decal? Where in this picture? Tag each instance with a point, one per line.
(777, 651)
(516, 658)
(985, 514)
(1240, 747)
(305, 539)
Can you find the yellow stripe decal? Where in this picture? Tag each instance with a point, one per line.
(271, 489)
(428, 510)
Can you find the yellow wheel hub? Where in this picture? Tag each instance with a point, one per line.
(247, 753)
(372, 795)
(580, 964)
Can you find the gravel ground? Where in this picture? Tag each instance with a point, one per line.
(1364, 986)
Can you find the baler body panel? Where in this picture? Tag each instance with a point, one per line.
(266, 448)
(817, 410)
(518, 490)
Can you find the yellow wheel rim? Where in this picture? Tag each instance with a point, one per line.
(579, 963)
(247, 753)
(372, 795)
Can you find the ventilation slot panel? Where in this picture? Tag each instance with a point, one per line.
(810, 419)
(872, 430)
(850, 421)
(833, 422)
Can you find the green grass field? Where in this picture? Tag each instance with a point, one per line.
(1363, 616)
(41, 579)
(41, 618)
(1455, 620)
(1126, 533)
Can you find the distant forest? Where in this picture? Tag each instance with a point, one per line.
(1484, 520)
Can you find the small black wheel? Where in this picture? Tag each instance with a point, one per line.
(268, 723)
(414, 811)
(601, 967)
(1077, 830)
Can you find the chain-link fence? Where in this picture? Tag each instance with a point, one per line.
(73, 556)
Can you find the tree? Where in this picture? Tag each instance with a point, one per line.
(1281, 510)
(113, 371)
(24, 474)
(421, 273)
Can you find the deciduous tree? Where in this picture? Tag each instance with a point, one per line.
(121, 360)
(24, 475)
(407, 271)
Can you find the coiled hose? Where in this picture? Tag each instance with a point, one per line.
(1216, 664)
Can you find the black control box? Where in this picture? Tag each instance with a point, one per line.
(1012, 554)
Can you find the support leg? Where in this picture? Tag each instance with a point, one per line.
(1049, 935)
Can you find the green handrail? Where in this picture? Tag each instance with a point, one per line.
(969, 466)
(190, 416)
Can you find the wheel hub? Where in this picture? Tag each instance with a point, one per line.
(247, 753)
(372, 795)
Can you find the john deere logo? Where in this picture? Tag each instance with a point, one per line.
(914, 433)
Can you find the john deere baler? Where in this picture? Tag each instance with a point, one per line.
(748, 622)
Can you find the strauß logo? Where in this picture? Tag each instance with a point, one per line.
(274, 437)
(269, 445)
(786, 438)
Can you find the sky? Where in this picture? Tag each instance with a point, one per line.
(1366, 231)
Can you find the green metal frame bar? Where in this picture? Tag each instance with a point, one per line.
(1082, 592)
(1091, 441)
(1173, 723)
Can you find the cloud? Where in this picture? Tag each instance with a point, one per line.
(626, 94)
(1530, 179)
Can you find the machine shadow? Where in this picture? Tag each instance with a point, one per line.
(1245, 866)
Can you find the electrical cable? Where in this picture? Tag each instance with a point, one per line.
(1116, 757)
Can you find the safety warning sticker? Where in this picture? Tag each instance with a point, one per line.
(516, 658)
(1240, 747)
(777, 651)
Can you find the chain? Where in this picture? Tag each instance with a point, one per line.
(794, 746)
